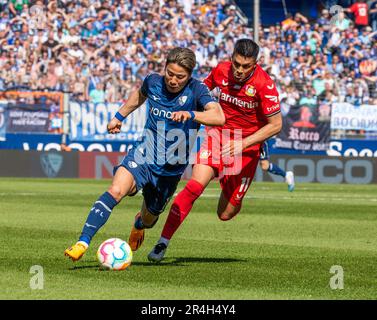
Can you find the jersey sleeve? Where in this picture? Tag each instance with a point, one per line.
(203, 96)
(269, 98)
(146, 84)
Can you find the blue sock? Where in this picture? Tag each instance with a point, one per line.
(274, 169)
(98, 216)
(139, 224)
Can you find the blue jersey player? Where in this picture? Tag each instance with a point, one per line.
(178, 104)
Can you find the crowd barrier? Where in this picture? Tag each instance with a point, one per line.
(99, 165)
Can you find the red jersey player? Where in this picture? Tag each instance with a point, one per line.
(249, 100)
(360, 10)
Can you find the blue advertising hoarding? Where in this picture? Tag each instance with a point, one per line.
(45, 142)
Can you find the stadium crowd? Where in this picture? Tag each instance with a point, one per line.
(97, 50)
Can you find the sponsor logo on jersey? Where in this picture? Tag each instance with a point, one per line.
(161, 113)
(270, 87)
(239, 196)
(238, 102)
(273, 108)
(272, 98)
(250, 90)
(155, 98)
(225, 83)
(182, 100)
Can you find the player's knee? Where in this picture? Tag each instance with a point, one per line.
(227, 215)
(116, 192)
(264, 165)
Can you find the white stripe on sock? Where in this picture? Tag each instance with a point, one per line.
(105, 206)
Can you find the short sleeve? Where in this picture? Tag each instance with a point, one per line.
(145, 86)
(203, 96)
(269, 98)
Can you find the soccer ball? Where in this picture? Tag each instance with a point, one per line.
(114, 254)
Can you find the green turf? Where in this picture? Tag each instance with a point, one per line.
(281, 246)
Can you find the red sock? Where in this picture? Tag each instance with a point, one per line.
(181, 207)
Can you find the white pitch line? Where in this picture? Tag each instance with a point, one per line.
(21, 193)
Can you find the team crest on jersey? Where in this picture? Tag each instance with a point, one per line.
(182, 100)
(132, 164)
(205, 154)
(51, 164)
(250, 90)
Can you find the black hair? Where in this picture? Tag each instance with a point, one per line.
(184, 57)
(246, 48)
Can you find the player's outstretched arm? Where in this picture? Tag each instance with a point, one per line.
(212, 115)
(135, 100)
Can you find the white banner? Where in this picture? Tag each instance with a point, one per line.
(2, 123)
(88, 122)
(346, 116)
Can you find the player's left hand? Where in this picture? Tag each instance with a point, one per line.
(232, 148)
(180, 116)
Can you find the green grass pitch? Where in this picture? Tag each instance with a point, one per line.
(280, 246)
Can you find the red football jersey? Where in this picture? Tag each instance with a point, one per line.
(360, 10)
(246, 105)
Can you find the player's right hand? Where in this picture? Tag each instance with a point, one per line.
(114, 126)
(180, 116)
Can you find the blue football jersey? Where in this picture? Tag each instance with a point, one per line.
(166, 144)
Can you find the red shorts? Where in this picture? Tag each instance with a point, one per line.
(235, 174)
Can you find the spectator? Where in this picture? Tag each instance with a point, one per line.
(80, 88)
(97, 95)
(51, 79)
(83, 43)
(324, 19)
(16, 6)
(360, 12)
(373, 14)
(350, 96)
